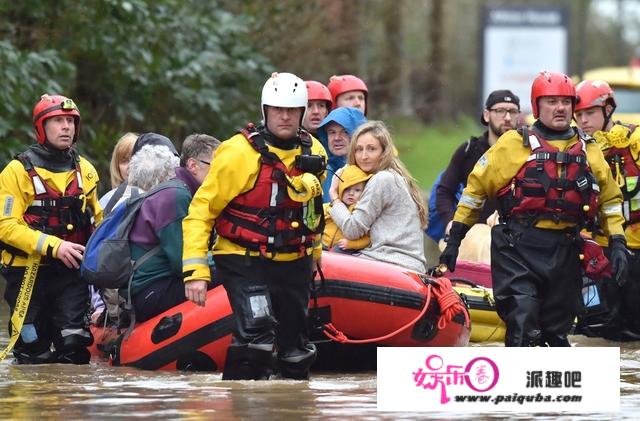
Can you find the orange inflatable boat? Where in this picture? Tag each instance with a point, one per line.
(357, 302)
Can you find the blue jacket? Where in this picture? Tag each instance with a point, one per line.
(350, 119)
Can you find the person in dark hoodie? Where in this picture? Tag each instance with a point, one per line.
(157, 285)
(50, 207)
(500, 115)
(335, 135)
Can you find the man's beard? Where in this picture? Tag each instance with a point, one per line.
(496, 130)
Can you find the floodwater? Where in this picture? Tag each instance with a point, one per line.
(99, 391)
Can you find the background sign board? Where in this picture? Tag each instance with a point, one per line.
(519, 42)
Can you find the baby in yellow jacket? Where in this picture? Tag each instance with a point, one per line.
(350, 188)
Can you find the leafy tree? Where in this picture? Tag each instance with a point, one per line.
(170, 66)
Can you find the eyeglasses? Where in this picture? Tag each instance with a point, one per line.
(205, 162)
(501, 112)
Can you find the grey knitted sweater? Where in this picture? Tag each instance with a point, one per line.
(387, 212)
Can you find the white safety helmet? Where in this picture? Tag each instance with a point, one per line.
(284, 90)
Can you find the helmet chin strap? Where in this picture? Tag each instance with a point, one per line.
(607, 117)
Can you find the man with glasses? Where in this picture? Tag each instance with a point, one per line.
(551, 181)
(157, 285)
(50, 206)
(500, 115)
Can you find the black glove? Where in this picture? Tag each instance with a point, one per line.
(450, 254)
(618, 255)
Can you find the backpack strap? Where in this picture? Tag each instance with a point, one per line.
(114, 198)
(129, 304)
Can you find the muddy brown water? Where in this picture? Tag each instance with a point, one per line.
(99, 391)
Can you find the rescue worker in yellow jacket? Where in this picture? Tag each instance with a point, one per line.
(49, 208)
(617, 313)
(551, 180)
(264, 198)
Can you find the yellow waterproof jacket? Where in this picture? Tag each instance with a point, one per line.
(332, 233)
(233, 172)
(501, 163)
(620, 133)
(17, 194)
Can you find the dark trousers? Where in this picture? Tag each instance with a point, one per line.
(57, 315)
(157, 297)
(536, 283)
(270, 301)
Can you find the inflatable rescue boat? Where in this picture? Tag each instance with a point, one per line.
(354, 301)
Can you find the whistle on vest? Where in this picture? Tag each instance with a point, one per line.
(303, 188)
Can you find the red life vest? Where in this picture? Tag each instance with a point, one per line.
(621, 160)
(552, 185)
(265, 218)
(55, 213)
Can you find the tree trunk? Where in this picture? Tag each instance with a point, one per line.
(429, 108)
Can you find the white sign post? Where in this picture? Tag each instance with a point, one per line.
(518, 43)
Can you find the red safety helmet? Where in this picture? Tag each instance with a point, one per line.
(51, 106)
(594, 93)
(316, 91)
(551, 84)
(346, 83)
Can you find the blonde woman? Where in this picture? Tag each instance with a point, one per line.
(119, 167)
(390, 209)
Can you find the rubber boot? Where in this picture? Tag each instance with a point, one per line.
(45, 357)
(296, 365)
(244, 363)
(555, 340)
(531, 338)
(74, 356)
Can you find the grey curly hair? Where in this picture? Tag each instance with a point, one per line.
(152, 165)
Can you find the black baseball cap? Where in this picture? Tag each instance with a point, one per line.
(153, 139)
(496, 97)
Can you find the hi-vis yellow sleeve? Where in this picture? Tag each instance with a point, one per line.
(499, 165)
(610, 200)
(231, 172)
(234, 171)
(494, 170)
(16, 195)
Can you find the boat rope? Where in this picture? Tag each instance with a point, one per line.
(22, 302)
(450, 304)
(448, 300)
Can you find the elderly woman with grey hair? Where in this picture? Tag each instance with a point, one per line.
(150, 165)
(157, 285)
